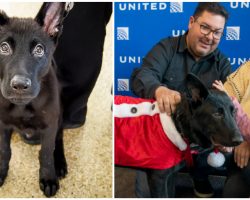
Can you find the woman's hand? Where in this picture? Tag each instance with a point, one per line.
(242, 154)
(219, 85)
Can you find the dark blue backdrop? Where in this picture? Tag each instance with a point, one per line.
(140, 25)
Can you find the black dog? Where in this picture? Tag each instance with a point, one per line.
(205, 117)
(29, 98)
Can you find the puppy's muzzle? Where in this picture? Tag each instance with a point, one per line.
(20, 84)
(237, 139)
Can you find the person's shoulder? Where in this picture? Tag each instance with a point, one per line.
(241, 72)
(246, 65)
(169, 42)
(244, 68)
(169, 39)
(219, 55)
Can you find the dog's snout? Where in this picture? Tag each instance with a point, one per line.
(237, 140)
(20, 83)
(236, 143)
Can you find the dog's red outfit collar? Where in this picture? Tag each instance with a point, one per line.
(140, 140)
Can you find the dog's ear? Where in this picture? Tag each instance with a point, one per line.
(196, 88)
(50, 17)
(4, 19)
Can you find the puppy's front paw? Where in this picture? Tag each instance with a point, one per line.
(49, 187)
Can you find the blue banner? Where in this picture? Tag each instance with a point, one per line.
(140, 25)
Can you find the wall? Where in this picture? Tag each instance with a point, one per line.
(138, 26)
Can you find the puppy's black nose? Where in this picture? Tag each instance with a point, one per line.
(237, 140)
(20, 83)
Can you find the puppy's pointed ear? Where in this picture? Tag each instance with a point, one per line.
(196, 88)
(4, 19)
(50, 17)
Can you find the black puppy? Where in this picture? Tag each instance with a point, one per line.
(205, 117)
(29, 98)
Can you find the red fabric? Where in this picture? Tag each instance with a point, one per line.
(141, 141)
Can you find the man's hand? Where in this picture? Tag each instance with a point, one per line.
(167, 99)
(242, 154)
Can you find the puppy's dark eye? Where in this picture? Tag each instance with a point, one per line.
(38, 50)
(217, 115)
(5, 49)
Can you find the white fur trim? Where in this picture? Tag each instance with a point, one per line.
(145, 108)
(171, 131)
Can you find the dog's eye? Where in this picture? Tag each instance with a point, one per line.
(38, 50)
(5, 49)
(217, 115)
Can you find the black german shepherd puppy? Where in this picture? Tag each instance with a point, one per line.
(29, 98)
(205, 117)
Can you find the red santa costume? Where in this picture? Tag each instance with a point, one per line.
(146, 138)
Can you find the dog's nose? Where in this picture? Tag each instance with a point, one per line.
(20, 83)
(237, 140)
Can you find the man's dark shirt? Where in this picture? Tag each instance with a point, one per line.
(168, 64)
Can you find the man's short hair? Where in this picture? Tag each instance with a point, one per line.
(212, 7)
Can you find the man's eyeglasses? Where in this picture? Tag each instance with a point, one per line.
(207, 30)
